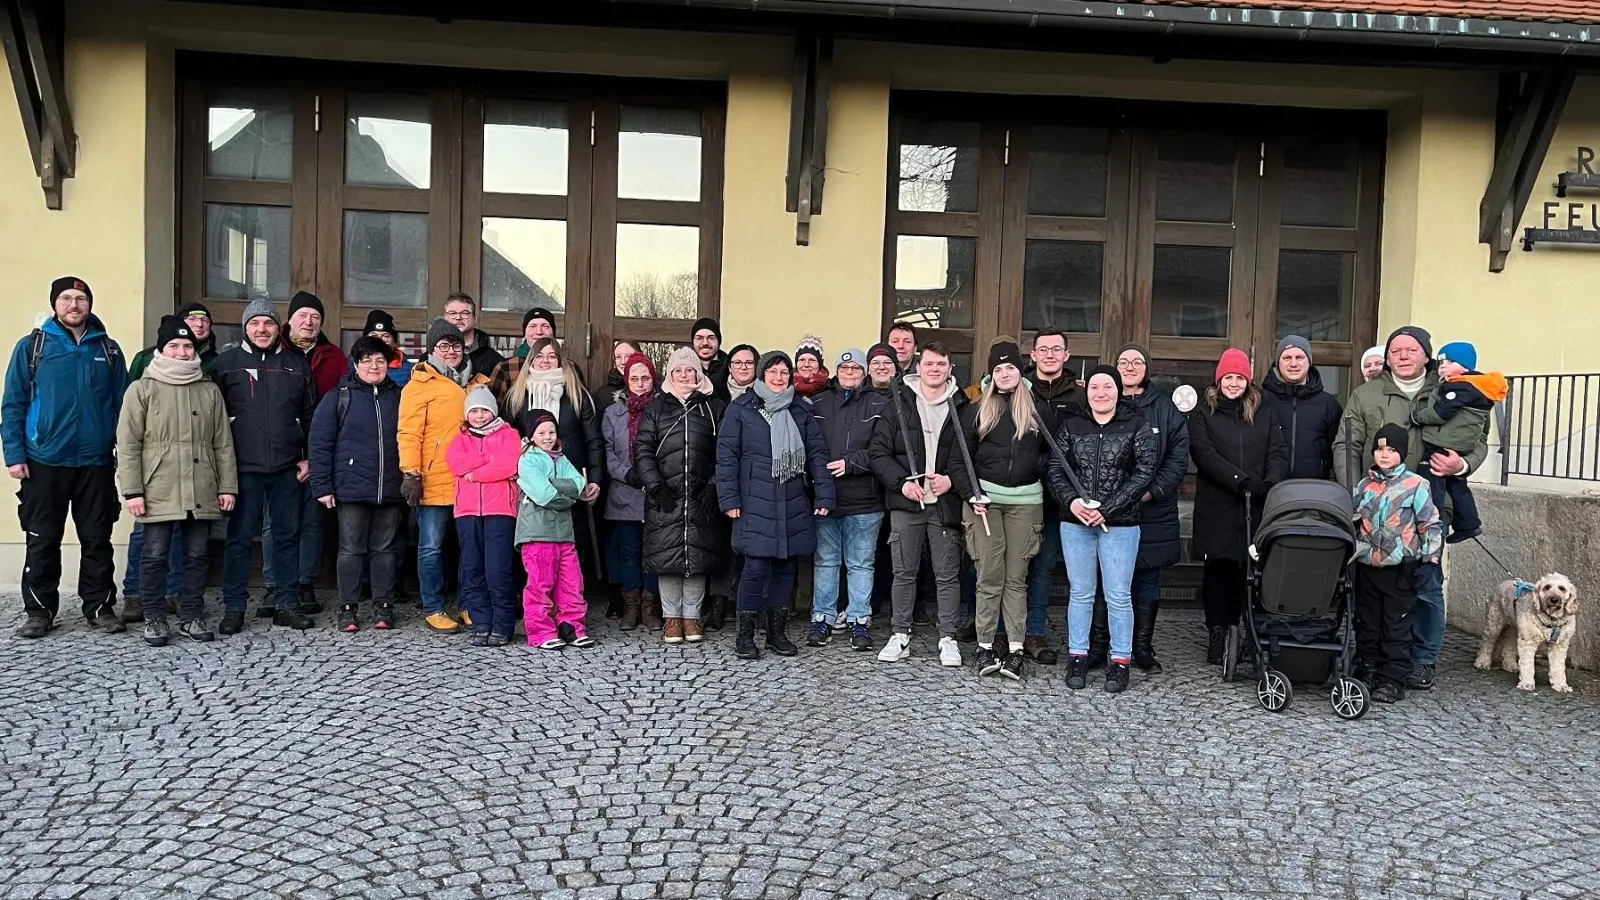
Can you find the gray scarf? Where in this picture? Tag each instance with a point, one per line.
(167, 370)
(460, 376)
(788, 451)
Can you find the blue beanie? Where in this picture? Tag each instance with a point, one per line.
(1461, 353)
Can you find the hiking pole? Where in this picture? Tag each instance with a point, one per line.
(905, 435)
(972, 475)
(1055, 450)
(594, 535)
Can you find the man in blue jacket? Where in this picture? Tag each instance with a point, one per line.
(59, 425)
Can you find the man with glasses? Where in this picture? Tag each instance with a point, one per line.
(705, 336)
(63, 393)
(1055, 388)
(198, 318)
(461, 311)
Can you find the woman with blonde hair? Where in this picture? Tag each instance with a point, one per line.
(1002, 480)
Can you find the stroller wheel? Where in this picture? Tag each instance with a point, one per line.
(1273, 690)
(1349, 698)
(1230, 655)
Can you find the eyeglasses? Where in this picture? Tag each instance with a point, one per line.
(373, 361)
(736, 364)
(458, 314)
(447, 347)
(1050, 351)
(1130, 363)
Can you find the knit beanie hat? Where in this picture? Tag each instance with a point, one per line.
(190, 310)
(540, 416)
(1419, 335)
(685, 358)
(480, 397)
(70, 283)
(172, 328)
(442, 329)
(706, 324)
(1392, 435)
(639, 359)
(1296, 341)
(1112, 373)
(539, 312)
(810, 345)
(1461, 353)
(851, 357)
(1132, 345)
(1004, 352)
(305, 300)
(1233, 362)
(258, 308)
(883, 350)
(379, 320)
(1377, 351)
(772, 358)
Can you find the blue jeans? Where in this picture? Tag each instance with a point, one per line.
(432, 524)
(308, 558)
(130, 576)
(624, 554)
(1427, 617)
(1090, 554)
(1041, 572)
(852, 541)
(259, 495)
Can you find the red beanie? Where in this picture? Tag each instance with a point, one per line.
(1233, 362)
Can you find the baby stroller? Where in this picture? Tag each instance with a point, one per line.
(1299, 610)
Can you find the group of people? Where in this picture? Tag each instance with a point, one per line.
(697, 492)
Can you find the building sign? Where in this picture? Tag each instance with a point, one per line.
(1569, 221)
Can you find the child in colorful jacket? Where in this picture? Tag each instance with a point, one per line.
(553, 605)
(484, 458)
(1457, 418)
(1397, 527)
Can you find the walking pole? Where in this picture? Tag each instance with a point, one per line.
(1055, 450)
(972, 475)
(594, 535)
(905, 436)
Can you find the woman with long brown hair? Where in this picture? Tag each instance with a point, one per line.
(1239, 452)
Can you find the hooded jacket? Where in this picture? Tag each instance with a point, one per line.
(270, 399)
(549, 487)
(776, 519)
(357, 460)
(1458, 415)
(1159, 541)
(888, 453)
(484, 357)
(492, 460)
(1309, 417)
(1115, 462)
(431, 408)
(675, 463)
(1232, 456)
(613, 390)
(65, 413)
(1396, 520)
(847, 420)
(175, 449)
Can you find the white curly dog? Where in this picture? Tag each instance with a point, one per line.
(1544, 615)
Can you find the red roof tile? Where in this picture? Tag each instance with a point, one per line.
(1516, 10)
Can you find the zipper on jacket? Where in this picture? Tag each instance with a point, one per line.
(685, 498)
(377, 412)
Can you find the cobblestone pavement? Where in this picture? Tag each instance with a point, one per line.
(407, 764)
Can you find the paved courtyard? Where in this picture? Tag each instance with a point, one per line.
(319, 765)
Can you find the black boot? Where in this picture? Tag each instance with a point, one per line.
(745, 647)
(1099, 635)
(716, 612)
(778, 632)
(1144, 632)
(1216, 642)
(614, 603)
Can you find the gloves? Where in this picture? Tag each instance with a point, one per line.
(631, 477)
(411, 489)
(663, 498)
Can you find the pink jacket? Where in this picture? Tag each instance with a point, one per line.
(491, 463)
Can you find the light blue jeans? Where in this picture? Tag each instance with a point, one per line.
(852, 540)
(433, 523)
(1092, 553)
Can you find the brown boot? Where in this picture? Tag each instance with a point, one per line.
(630, 610)
(652, 612)
(673, 632)
(691, 631)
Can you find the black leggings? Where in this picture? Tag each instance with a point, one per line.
(766, 583)
(1222, 592)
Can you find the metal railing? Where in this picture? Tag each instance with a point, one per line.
(1549, 427)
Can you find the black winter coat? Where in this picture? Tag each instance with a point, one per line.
(357, 460)
(847, 425)
(582, 441)
(1159, 543)
(1064, 398)
(613, 390)
(1309, 417)
(675, 461)
(1000, 457)
(717, 372)
(888, 452)
(1114, 462)
(270, 396)
(775, 520)
(1232, 457)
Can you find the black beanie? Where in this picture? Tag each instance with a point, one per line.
(193, 309)
(1392, 435)
(172, 328)
(1004, 352)
(380, 320)
(1420, 335)
(539, 312)
(69, 283)
(877, 350)
(772, 358)
(541, 416)
(1103, 369)
(706, 324)
(304, 300)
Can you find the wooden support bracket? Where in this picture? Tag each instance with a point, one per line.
(1535, 113)
(808, 131)
(31, 32)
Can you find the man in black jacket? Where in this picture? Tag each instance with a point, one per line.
(1059, 398)
(911, 456)
(847, 414)
(270, 397)
(705, 336)
(1308, 415)
(462, 312)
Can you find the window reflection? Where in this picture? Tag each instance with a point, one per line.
(524, 264)
(1314, 294)
(247, 252)
(249, 134)
(658, 271)
(1061, 286)
(1189, 292)
(385, 259)
(388, 140)
(658, 154)
(938, 166)
(1194, 176)
(524, 147)
(933, 280)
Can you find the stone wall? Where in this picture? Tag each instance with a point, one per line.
(1532, 532)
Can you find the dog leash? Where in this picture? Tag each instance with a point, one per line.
(1497, 562)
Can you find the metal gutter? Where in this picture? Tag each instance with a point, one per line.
(1433, 32)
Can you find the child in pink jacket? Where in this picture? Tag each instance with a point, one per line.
(483, 458)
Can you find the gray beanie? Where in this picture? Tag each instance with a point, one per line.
(481, 397)
(1296, 341)
(257, 308)
(440, 329)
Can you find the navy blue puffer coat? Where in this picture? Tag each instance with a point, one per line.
(1159, 543)
(775, 520)
(357, 460)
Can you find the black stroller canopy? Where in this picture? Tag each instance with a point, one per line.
(1307, 506)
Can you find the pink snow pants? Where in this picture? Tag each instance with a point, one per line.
(554, 594)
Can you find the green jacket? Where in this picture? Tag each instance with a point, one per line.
(175, 449)
(1380, 402)
(208, 358)
(550, 486)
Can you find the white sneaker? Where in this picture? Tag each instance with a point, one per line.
(898, 648)
(840, 626)
(949, 652)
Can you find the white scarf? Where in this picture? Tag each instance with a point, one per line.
(545, 387)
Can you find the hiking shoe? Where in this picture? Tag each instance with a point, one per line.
(347, 619)
(1421, 678)
(692, 632)
(196, 630)
(967, 631)
(820, 633)
(441, 623)
(383, 617)
(156, 631)
(132, 610)
(671, 630)
(108, 621)
(462, 616)
(480, 639)
(1037, 650)
(1012, 667)
(1116, 677)
(291, 618)
(1216, 642)
(498, 640)
(232, 622)
(1460, 535)
(898, 648)
(309, 605)
(949, 653)
(554, 643)
(1077, 671)
(37, 625)
(986, 661)
(1387, 692)
(860, 639)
